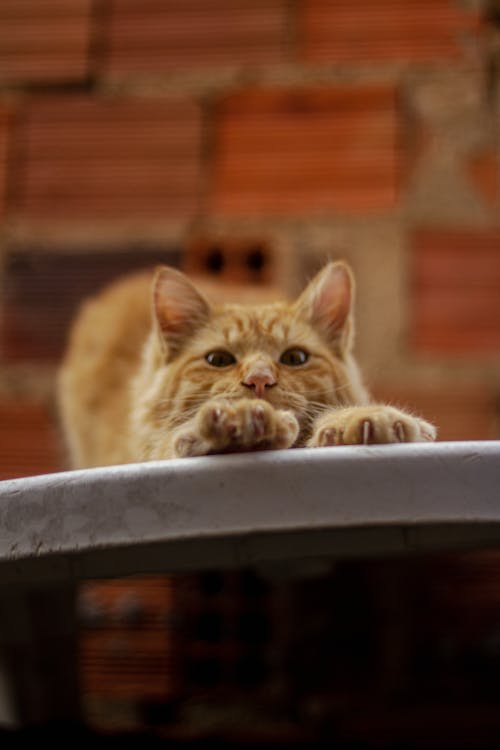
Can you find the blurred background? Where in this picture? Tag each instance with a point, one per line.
(250, 141)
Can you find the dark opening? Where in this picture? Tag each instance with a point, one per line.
(256, 259)
(215, 260)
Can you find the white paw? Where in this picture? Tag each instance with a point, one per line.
(360, 425)
(248, 424)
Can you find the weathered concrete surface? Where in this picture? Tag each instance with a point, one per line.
(248, 508)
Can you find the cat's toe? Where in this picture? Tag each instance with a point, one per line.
(186, 446)
(428, 431)
(327, 436)
(256, 422)
(406, 430)
(362, 430)
(259, 422)
(400, 431)
(286, 429)
(216, 422)
(409, 429)
(382, 425)
(366, 432)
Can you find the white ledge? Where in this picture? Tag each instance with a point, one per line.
(250, 508)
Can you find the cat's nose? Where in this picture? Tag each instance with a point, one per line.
(259, 380)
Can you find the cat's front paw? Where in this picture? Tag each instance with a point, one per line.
(248, 424)
(360, 425)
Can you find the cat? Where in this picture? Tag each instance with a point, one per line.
(154, 371)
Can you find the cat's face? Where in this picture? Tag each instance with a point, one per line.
(294, 355)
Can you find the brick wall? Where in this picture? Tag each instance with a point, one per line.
(86, 157)
(307, 151)
(310, 128)
(151, 37)
(412, 30)
(45, 41)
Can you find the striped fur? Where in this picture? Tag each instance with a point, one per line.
(135, 384)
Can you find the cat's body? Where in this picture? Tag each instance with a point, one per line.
(153, 371)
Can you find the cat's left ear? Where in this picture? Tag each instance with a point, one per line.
(178, 308)
(327, 303)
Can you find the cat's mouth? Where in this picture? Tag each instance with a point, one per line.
(265, 395)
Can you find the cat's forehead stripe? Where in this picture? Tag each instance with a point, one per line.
(249, 324)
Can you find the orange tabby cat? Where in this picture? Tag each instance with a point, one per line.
(153, 371)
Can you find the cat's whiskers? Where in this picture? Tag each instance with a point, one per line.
(185, 410)
(303, 406)
(332, 391)
(314, 407)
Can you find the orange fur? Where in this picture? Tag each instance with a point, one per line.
(135, 383)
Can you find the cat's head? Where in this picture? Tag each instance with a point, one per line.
(296, 355)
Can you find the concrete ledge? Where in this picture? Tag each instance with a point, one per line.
(248, 508)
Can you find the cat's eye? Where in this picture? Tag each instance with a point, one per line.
(294, 357)
(220, 358)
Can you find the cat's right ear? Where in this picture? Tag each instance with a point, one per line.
(178, 308)
(327, 303)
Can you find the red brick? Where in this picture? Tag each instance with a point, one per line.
(29, 442)
(151, 36)
(144, 666)
(483, 171)
(281, 151)
(42, 291)
(44, 40)
(406, 30)
(456, 291)
(459, 412)
(85, 157)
